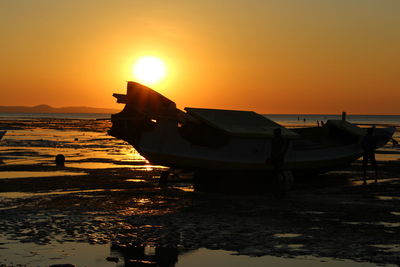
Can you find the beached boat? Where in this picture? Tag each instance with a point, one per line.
(229, 140)
(2, 133)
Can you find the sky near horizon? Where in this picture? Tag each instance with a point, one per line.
(270, 56)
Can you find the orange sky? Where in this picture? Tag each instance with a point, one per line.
(272, 56)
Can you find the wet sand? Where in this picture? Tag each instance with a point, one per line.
(337, 218)
(121, 206)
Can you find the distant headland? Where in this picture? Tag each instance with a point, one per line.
(49, 109)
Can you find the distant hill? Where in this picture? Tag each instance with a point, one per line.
(49, 109)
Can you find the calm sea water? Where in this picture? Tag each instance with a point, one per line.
(22, 116)
(297, 119)
(285, 119)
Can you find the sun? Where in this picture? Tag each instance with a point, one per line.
(149, 70)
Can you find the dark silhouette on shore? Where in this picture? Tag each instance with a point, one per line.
(60, 160)
(369, 144)
(394, 142)
(279, 147)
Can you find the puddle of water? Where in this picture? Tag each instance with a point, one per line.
(385, 224)
(150, 250)
(26, 195)
(80, 254)
(136, 180)
(291, 246)
(388, 247)
(142, 201)
(106, 165)
(388, 156)
(388, 197)
(109, 165)
(287, 235)
(389, 224)
(75, 145)
(296, 246)
(83, 254)
(9, 208)
(30, 174)
(205, 257)
(188, 188)
(95, 165)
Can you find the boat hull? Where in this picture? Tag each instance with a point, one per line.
(163, 145)
(228, 140)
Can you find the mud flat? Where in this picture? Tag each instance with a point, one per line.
(338, 218)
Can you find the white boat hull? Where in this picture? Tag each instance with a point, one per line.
(209, 139)
(166, 147)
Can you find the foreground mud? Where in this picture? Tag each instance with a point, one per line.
(330, 216)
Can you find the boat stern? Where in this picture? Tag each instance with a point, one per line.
(144, 107)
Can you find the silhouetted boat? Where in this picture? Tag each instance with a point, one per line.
(212, 139)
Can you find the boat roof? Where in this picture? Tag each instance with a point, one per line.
(239, 123)
(347, 126)
(147, 101)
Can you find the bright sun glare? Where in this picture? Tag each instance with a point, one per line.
(149, 70)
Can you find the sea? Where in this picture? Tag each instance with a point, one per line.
(26, 116)
(60, 130)
(284, 119)
(313, 119)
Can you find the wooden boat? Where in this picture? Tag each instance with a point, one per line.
(229, 140)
